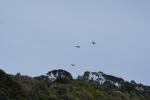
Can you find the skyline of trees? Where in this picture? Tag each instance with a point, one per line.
(60, 85)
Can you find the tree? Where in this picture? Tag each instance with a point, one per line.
(114, 80)
(94, 75)
(86, 75)
(128, 87)
(59, 75)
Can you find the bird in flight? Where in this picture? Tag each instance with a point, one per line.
(72, 64)
(78, 46)
(93, 42)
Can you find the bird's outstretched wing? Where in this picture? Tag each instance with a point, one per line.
(78, 46)
(93, 42)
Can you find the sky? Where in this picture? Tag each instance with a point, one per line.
(37, 36)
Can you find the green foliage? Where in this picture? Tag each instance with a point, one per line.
(59, 85)
(60, 76)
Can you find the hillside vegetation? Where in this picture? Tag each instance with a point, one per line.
(60, 85)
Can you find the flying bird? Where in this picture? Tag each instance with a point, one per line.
(78, 46)
(72, 64)
(93, 42)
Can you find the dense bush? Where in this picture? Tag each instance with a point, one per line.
(59, 85)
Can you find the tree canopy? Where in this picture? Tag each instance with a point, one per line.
(60, 85)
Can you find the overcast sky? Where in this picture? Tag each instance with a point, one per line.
(40, 35)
